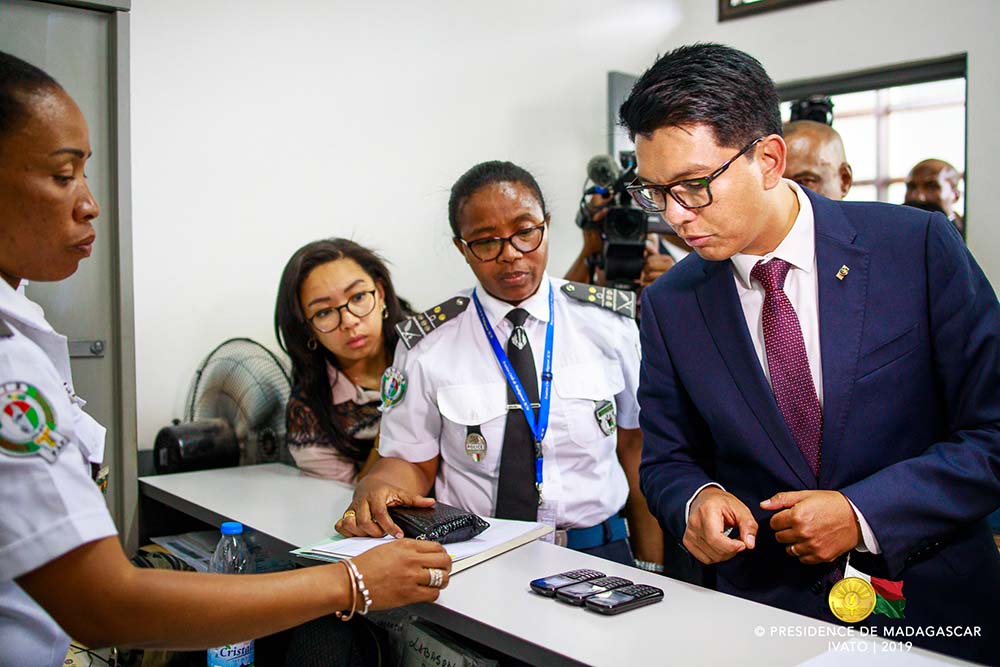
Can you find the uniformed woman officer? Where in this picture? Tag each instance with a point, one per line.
(515, 399)
(61, 566)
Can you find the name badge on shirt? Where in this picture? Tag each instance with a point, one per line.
(605, 413)
(28, 423)
(475, 446)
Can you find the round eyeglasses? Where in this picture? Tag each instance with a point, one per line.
(524, 241)
(689, 193)
(329, 319)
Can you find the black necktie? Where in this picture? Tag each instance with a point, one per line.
(517, 497)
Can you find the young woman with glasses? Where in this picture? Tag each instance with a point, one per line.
(476, 433)
(334, 316)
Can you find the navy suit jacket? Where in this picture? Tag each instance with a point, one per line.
(910, 346)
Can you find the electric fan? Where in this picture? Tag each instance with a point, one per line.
(234, 413)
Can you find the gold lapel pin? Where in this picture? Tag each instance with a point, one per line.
(844, 270)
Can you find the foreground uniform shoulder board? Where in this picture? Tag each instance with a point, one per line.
(412, 329)
(620, 301)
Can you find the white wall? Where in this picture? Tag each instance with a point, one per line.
(261, 125)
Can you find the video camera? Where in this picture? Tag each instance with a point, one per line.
(625, 226)
(817, 108)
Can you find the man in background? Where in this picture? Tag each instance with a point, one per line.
(816, 158)
(933, 185)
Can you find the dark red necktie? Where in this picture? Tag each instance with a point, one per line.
(788, 364)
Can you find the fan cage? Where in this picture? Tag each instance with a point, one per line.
(246, 384)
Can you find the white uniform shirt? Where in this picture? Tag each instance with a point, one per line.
(454, 381)
(49, 508)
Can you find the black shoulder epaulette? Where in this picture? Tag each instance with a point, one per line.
(5, 331)
(412, 329)
(619, 301)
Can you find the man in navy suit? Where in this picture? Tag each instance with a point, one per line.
(820, 380)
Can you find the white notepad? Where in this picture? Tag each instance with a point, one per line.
(502, 535)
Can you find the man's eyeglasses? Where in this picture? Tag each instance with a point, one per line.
(327, 320)
(524, 241)
(689, 193)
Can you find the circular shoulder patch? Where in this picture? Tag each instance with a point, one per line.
(27, 422)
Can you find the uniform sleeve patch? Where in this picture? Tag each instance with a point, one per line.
(392, 388)
(28, 423)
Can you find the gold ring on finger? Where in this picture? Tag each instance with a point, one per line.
(349, 514)
(791, 550)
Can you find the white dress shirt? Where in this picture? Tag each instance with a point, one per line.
(798, 248)
(454, 382)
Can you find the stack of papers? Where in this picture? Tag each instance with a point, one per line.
(502, 535)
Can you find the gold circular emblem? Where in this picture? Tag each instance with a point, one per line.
(852, 599)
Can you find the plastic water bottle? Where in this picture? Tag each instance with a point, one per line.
(232, 557)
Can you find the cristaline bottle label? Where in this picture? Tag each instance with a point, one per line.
(231, 655)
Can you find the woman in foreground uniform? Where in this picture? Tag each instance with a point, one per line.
(62, 569)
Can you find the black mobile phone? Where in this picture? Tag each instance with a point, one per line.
(547, 585)
(577, 593)
(622, 599)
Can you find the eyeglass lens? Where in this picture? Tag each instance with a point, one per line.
(525, 241)
(329, 319)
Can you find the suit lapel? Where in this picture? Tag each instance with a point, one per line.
(720, 306)
(842, 304)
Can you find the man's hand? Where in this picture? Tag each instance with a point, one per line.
(713, 511)
(368, 515)
(817, 526)
(655, 264)
(653, 267)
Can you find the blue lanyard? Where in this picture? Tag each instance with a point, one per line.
(540, 425)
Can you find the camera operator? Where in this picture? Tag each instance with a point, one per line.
(613, 247)
(661, 249)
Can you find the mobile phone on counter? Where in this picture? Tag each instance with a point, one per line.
(575, 594)
(547, 585)
(622, 599)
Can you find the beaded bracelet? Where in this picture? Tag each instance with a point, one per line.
(349, 566)
(360, 578)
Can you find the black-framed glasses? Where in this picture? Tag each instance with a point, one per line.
(524, 241)
(329, 319)
(689, 193)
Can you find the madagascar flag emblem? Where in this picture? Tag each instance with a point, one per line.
(889, 600)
